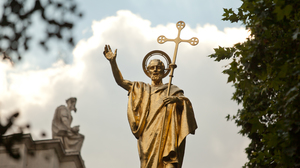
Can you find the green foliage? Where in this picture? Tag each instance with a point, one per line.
(265, 70)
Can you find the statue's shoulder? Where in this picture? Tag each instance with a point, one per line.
(140, 84)
(175, 89)
(60, 109)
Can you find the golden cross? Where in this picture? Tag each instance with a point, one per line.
(162, 39)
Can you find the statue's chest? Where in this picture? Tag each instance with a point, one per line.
(155, 104)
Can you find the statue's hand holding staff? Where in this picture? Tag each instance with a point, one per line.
(109, 55)
(171, 99)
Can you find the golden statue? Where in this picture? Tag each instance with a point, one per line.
(159, 115)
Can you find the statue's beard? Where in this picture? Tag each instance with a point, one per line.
(74, 109)
(156, 77)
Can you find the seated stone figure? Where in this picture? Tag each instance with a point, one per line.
(61, 127)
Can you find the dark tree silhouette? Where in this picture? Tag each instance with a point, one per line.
(58, 16)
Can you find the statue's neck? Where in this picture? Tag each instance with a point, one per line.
(156, 83)
(69, 109)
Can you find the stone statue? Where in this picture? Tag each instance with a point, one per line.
(61, 127)
(147, 104)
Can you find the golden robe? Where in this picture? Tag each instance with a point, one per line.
(146, 115)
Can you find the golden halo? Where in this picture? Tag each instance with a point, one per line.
(159, 53)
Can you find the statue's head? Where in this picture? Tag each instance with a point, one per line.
(156, 69)
(71, 102)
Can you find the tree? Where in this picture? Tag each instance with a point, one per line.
(15, 137)
(17, 18)
(265, 71)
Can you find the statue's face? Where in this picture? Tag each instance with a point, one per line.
(72, 105)
(156, 70)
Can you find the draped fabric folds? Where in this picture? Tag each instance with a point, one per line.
(146, 114)
(61, 129)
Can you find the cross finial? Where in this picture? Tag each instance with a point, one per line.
(180, 25)
(162, 39)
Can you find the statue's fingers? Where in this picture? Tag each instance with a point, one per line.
(105, 48)
(115, 51)
(166, 98)
(109, 48)
(168, 101)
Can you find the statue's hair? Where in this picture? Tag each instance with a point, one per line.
(160, 62)
(71, 99)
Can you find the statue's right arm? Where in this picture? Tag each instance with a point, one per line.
(126, 84)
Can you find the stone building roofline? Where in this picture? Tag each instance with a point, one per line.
(55, 144)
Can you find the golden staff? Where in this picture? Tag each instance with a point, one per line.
(162, 39)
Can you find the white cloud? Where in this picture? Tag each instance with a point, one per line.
(102, 104)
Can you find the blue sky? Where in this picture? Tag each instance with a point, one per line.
(192, 12)
(42, 82)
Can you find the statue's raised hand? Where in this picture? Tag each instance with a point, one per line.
(109, 54)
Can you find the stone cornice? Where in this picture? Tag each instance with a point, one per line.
(55, 144)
